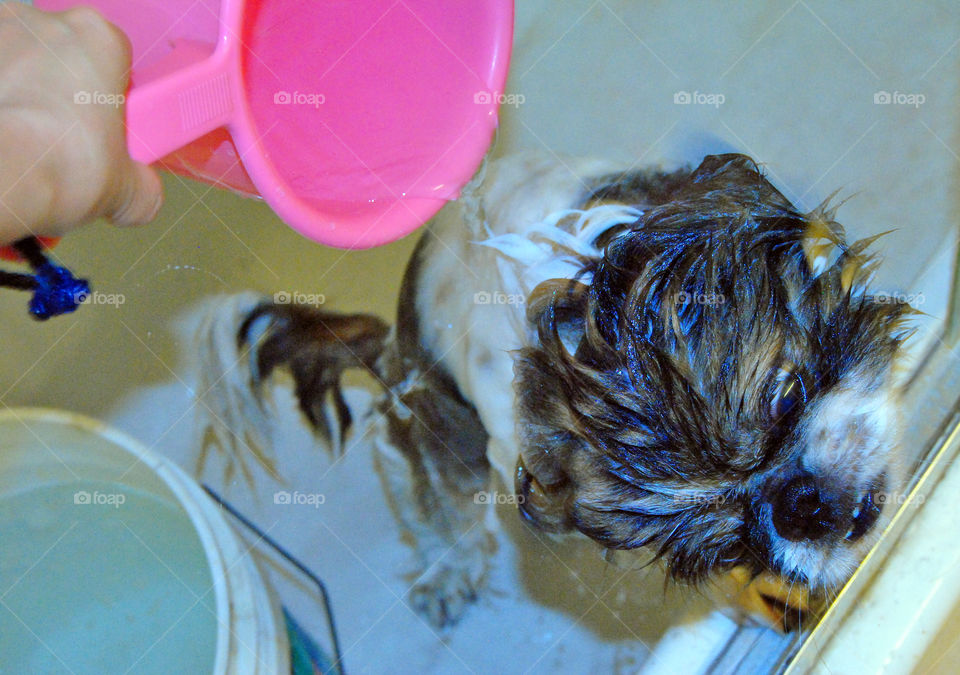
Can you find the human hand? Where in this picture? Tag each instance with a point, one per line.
(63, 152)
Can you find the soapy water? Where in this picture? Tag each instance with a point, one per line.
(102, 578)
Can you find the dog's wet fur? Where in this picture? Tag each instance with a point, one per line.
(714, 385)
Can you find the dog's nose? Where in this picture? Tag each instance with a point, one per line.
(800, 510)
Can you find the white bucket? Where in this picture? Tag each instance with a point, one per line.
(112, 559)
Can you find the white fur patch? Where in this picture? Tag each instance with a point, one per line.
(514, 227)
(849, 435)
(235, 419)
(850, 438)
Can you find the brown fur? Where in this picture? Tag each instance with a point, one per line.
(680, 392)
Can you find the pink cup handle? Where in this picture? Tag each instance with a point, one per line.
(171, 112)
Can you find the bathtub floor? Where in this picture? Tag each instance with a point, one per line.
(602, 78)
(550, 607)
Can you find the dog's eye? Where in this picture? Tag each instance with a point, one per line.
(790, 395)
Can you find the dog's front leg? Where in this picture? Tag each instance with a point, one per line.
(433, 468)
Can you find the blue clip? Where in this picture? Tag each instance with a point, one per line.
(57, 291)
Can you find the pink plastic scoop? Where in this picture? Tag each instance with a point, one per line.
(354, 120)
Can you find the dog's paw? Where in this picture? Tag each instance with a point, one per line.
(443, 592)
(768, 600)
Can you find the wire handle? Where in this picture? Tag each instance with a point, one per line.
(299, 566)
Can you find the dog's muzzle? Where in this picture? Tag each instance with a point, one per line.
(808, 508)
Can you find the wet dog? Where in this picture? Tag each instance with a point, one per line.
(680, 361)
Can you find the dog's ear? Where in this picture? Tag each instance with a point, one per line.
(735, 181)
(732, 168)
(547, 432)
(738, 175)
(550, 442)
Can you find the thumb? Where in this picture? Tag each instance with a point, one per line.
(137, 197)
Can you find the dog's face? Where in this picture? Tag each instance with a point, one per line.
(717, 386)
